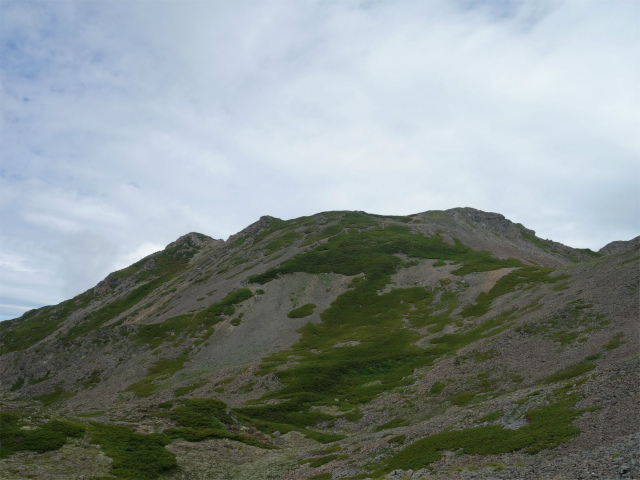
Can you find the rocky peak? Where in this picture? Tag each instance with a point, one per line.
(264, 222)
(193, 239)
(489, 220)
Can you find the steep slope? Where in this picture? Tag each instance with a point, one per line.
(393, 339)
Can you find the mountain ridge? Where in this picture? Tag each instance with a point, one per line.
(409, 324)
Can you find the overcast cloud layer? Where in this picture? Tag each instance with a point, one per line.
(128, 124)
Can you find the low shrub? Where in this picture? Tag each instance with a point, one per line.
(180, 391)
(319, 461)
(395, 423)
(436, 388)
(202, 413)
(50, 436)
(58, 394)
(462, 398)
(549, 426)
(303, 311)
(570, 372)
(135, 456)
(613, 344)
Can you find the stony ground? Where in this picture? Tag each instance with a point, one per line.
(594, 315)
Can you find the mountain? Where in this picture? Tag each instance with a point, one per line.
(451, 344)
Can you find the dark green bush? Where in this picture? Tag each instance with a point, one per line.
(42, 440)
(613, 344)
(436, 388)
(397, 439)
(202, 413)
(203, 418)
(319, 461)
(58, 394)
(395, 423)
(321, 476)
(284, 240)
(570, 372)
(68, 429)
(180, 391)
(50, 436)
(162, 368)
(135, 456)
(549, 426)
(303, 311)
(462, 398)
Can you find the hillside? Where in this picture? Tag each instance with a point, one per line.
(449, 344)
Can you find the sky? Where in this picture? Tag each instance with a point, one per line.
(126, 124)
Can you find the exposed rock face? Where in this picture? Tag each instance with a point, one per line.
(254, 229)
(618, 247)
(196, 240)
(351, 342)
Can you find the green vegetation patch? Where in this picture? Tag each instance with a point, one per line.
(161, 369)
(321, 476)
(385, 355)
(303, 311)
(570, 372)
(549, 426)
(517, 279)
(532, 238)
(614, 343)
(17, 385)
(36, 325)
(135, 456)
(490, 417)
(58, 394)
(327, 232)
(436, 388)
(395, 423)
(482, 356)
(588, 251)
(201, 413)
(284, 240)
(202, 418)
(462, 398)
(92, 380)
(319, 461)
(180, 391)
(629, 260)
(50, 436)
(566, 326)
(194, 325)
(399, 439)
(101, 316)
(372, 252)
(35, 381)
(68, 429)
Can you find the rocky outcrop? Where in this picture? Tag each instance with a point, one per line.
(620, 246)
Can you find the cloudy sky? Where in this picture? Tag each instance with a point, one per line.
(128, 124)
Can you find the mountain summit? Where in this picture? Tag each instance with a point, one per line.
(347, 345)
